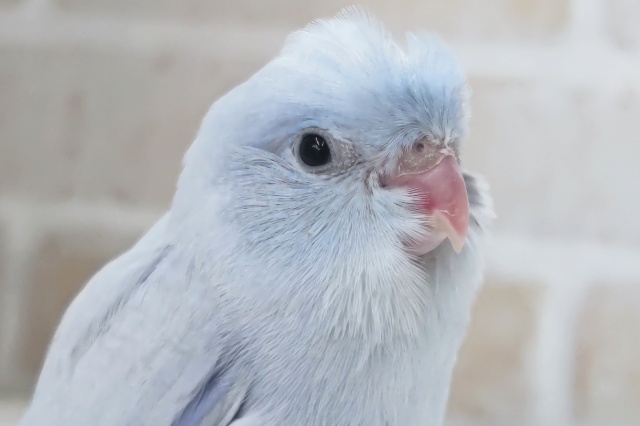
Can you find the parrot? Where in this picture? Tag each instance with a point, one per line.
(317, 263)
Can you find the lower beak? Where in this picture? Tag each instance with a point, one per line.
(442, 196)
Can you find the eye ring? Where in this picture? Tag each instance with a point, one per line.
(314, 149)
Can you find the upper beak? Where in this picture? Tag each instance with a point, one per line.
(436, 178)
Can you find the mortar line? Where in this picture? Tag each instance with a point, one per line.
(553, 350)
(20, 253)
(587, 22)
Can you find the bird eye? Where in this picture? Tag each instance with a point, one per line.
(314, 150)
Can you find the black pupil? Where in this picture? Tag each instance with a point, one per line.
(314, 150)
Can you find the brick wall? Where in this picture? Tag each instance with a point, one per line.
(99, 99)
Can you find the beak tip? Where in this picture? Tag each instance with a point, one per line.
(457, 242)
(456, 234)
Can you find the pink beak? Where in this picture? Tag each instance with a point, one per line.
(437, 180)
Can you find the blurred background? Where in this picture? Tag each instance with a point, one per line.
(99, 100)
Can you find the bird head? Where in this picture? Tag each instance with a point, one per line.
(343, 149)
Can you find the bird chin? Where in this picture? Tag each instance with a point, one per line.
(424, 245)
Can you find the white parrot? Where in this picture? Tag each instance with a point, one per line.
(317, 265)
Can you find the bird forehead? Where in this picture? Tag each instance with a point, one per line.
(350, 74)
(345, 75)
(355, 47)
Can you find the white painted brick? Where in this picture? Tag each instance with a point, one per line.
(104, 125)
(623, 23)
(562, 162)
(607, 381)
(495, 19)
(8, 4)
(11, 411)
(490, 383)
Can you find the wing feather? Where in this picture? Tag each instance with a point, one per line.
(137, 347)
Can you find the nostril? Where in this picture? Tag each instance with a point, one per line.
(419, 147)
